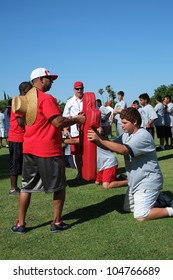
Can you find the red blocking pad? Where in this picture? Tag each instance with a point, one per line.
(89, 151)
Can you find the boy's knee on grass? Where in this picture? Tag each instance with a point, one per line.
(105, 185)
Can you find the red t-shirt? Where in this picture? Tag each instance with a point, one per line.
(42, 138)
(16, 132)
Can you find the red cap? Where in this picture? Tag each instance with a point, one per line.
(109, 103)
(78, 84)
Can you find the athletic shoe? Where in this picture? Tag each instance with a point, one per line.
(59, 227)
(121, 177)
(167, 147)
(164, 200)
(17, 228)
(160, 149)
(14, 192)
(78, 177)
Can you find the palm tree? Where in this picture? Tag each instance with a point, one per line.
(101, 91)
(111, 92)
(5, 96)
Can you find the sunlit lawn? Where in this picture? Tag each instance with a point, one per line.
(100, 228)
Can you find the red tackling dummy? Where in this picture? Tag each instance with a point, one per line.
(89, 152)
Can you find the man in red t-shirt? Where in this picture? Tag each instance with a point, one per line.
(15, 138)
(43, 162)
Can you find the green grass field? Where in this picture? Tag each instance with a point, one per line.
(100, 229)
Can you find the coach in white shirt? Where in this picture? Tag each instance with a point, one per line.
(72, 108)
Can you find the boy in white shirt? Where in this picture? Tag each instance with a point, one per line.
(147, 113)
(119, 106)
(143, 172)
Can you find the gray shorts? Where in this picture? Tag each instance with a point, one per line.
(43, 174)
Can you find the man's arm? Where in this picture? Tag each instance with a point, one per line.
(149, 124)
(117, 111)
(61, 122)
(94, 136)
(21, 122)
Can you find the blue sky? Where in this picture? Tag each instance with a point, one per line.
(127, 44)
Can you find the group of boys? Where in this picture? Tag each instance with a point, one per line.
(43, 164)
(160, 117)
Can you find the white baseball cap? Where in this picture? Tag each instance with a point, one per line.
(42, 72)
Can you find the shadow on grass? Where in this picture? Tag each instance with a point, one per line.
(72, 183)
(114, 203)
(165, 157)
(38, 226)
(91, 212)
(85, 214)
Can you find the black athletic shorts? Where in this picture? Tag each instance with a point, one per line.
(168, 132)
(43, 174)
(160, 130)
(15, 158)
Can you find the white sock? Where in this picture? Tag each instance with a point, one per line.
(170, 211)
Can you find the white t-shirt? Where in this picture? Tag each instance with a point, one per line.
(72, 108)
(105, 159)
(2, 120)
(160, 111)
(119, 105)
(142, 168)
(104, 111)
(111, 116)
(147, 113)
(169, 115)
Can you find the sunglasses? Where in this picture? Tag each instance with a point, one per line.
(79, 89)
